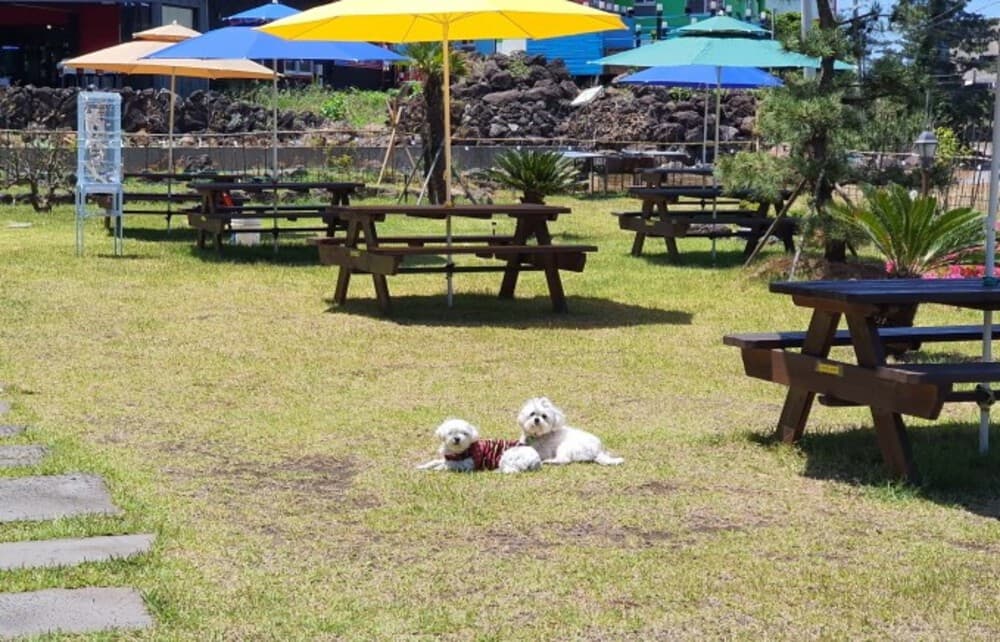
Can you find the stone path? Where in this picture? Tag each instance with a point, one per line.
(32, 498)
(13, 456)
(53, 496)
(72, 610)
(10, 431)
(68, 552)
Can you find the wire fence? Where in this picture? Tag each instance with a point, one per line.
(341, 154)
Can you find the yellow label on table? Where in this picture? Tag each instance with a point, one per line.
(830, 369)
(354, 253)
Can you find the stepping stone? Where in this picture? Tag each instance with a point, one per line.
(69, 552)
(12, 456)
(54, 496)
(83, 610)
(4, 407)
(10, 431)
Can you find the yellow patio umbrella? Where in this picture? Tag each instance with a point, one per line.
(127, 58)
(441, 21)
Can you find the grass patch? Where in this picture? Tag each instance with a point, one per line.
(270, 440)
(359, 108)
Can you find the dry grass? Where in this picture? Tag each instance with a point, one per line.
(270, 442)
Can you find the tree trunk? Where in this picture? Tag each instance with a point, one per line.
(835, 249)
(434, 138)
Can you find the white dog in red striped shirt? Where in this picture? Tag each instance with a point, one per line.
(463, 451)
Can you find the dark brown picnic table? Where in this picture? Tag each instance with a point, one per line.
(707, 210)
(365, 250)
(889, 390)
(219, 208)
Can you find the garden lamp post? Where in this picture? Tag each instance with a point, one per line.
(926, 147)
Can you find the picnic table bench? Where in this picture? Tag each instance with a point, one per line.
(707, 211)
(800, 360)
(220, 208)
(364, 251)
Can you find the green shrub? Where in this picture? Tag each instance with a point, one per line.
(537, 173)
(911, 234)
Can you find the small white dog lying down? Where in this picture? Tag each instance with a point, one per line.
(543, 427)
(462, 451)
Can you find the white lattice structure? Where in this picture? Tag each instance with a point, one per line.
(99, 160)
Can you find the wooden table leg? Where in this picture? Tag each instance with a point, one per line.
(798, 402)
(890, 430)
(344, 274)
(640, 238)
(554, 281)
(367, 229)
(522, 232)
(672, 250)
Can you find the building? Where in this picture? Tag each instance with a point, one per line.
(36, 34)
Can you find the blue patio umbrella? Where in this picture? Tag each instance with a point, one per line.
(245, 42)
(263, 14)
(703, 77)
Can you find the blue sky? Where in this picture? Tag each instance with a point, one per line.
(989, 8)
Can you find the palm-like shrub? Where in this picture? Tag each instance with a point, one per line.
(537, 173)
(912, 235)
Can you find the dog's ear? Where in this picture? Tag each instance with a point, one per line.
(473, 432)
(558, 418)
(442, 431)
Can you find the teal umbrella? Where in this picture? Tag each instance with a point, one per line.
(719, 42)
(715, 51)
(723, 26)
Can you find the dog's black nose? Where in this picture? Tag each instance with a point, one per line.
(537, 421)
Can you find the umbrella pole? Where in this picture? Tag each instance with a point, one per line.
(446, 64)
(274, 132)
(170, 148)
(274, 149)
(715, 152)
(704, 133)
(988, 271)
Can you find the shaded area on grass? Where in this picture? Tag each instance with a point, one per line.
(725, 257)
(946, 454)
(177, 234)
(520, 312)
(288, 254)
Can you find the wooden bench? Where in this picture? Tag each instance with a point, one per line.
(390, 259)
(221, 223)
(418, 241)
(746, 224)
(907, 388)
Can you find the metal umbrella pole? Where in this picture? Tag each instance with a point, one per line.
(715, 153)
(989, 280)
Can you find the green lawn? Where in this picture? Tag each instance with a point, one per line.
(270, 442)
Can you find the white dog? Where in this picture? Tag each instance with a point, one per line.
(543, 427)
(462, 451)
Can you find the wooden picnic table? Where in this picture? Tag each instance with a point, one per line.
(675, 176)
(707, 210)
(800, 360)
(364, 250)
(219, 207)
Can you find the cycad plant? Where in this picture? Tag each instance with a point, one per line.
(912, 235)
(537, 173)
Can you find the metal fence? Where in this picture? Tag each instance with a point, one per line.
(314, 152)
